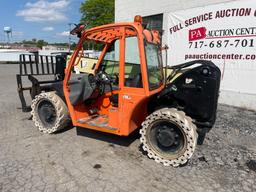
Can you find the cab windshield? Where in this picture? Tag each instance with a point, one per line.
(154, 67)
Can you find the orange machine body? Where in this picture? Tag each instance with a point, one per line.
(132, 102)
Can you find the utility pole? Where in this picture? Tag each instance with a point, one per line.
(69, 37)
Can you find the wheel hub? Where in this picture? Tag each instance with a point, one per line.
(166, 137)
(47, 112)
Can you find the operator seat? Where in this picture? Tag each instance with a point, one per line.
(82, 89)
(137, 81)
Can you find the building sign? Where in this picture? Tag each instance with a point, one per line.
(223, 33)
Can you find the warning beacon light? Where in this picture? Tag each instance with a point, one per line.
(138, 19)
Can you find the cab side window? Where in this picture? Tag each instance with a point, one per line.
(132, 76)
(110, 62)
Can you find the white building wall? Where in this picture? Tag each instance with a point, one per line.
(125, 10)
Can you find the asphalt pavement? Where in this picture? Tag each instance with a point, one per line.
(81, 160)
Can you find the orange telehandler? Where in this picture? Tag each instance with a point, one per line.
(130, 89)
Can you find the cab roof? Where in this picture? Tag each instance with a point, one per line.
(108, 33)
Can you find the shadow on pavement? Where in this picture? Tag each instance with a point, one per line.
(109, 138)
(70, 126)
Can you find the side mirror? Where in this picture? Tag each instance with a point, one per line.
(152, 36)
(78, 30)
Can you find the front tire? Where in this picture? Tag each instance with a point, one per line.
(49, 112)
(169, 137)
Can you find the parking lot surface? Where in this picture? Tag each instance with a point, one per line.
(82, 160)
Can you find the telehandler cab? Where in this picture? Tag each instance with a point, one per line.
(130, 89)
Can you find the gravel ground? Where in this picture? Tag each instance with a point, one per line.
(83, 160)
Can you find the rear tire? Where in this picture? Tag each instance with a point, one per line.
(49, 112)
(169, 137)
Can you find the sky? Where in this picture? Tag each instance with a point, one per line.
(41, 19)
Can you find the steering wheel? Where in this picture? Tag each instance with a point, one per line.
(103, 77)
